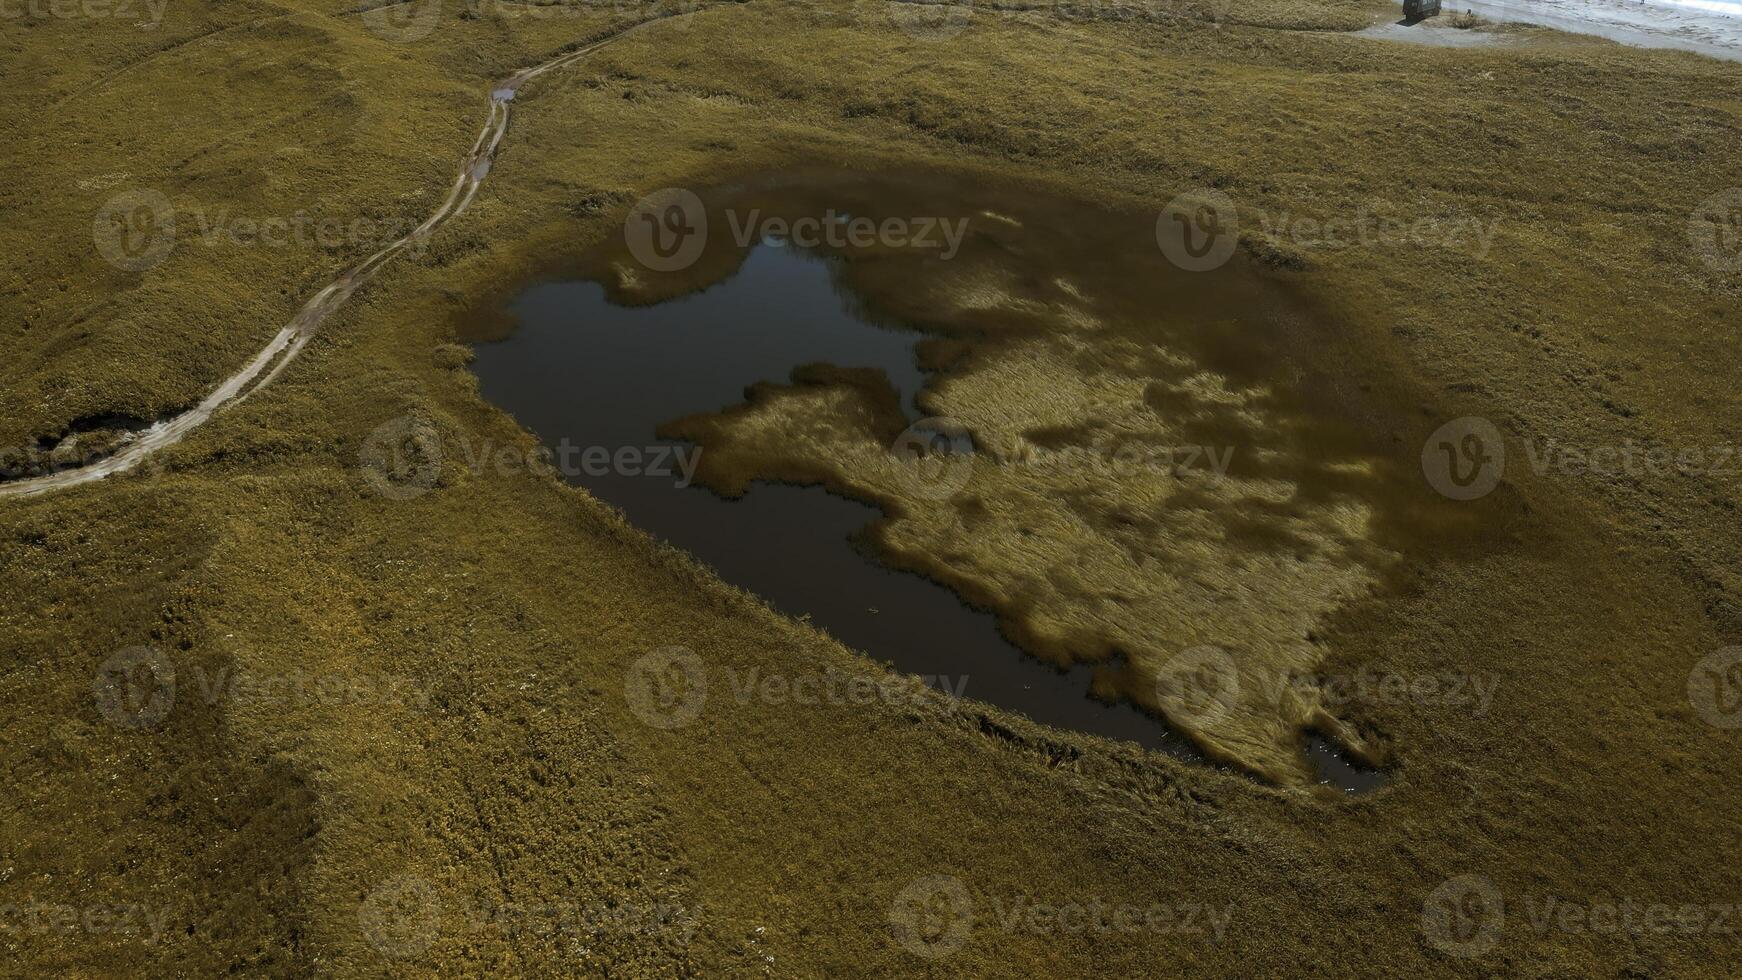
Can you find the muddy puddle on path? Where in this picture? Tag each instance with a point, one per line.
(1080, 368)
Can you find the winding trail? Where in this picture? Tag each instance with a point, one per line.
(289, 342)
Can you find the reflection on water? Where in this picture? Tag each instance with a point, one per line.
(1335, 769)
(611, 352)
(582, 369)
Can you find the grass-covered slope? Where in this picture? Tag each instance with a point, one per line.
(482, 771)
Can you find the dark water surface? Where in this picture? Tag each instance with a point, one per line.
(606, 352)
(582, 369)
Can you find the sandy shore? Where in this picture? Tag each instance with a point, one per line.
(1708, 27)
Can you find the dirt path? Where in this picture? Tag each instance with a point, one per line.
(289, 342)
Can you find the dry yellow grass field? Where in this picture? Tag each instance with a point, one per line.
(475, 790)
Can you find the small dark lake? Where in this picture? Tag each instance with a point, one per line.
(582, 369)
(602, 354)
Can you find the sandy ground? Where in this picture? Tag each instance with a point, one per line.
(1709, 27)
